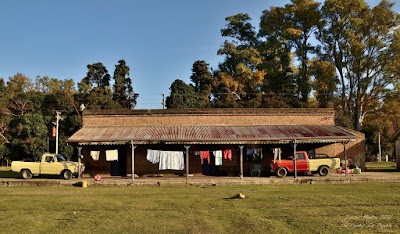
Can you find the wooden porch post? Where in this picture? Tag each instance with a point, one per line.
(133, 160)
(345, 157)
(241, 161)
(79, 162)
(187, 161)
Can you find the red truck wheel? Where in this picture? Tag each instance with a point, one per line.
(281, 172)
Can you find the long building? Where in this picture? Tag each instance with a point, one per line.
(208, 142)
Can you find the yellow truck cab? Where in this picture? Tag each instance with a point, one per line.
(50, 164)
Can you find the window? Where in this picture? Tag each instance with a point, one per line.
(300, 156)
(60, 158)
(49, 159)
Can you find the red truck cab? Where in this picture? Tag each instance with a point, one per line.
(281, 167)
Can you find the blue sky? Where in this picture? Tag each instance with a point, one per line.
(160, 40)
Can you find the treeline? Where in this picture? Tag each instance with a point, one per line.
(28, 108)
(340, 53)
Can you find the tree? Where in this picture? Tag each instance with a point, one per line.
(325, 82)
(123, 91)
(383, 121)
(294, 25)
(239, 28)
(97, 76)
(94, 89)
(182, 96)
(240, 78)
(204, 82)
(361, 42)
(28, 133)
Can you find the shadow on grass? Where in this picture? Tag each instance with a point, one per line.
(9, 174)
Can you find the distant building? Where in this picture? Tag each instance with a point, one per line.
(110, 139)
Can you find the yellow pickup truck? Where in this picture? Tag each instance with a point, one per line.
(50, 164)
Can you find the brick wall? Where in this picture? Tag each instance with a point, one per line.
(210, 118)
(355, 151)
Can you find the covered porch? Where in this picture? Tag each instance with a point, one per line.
(252, 148)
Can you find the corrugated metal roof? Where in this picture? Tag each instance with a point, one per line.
(213, 134)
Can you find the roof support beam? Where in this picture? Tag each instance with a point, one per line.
(345, 157)
(79, 162)
(241, 161)
(133, 160)
(187, 161)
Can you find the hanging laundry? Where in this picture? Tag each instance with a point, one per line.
(171, 160)
(254, 155)
(250, 151)
(112, 155)
(259, 153)
(153, 156)
(228, 154)
(95, 155)
(205, 155)
(250, 156)
(178, 161)
(218, 157)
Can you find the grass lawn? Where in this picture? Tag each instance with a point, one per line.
(381, 166)
(305, 208)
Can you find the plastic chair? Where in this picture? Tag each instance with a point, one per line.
(256, 170)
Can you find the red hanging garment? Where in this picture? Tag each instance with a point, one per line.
(205, 155)
(228, 154)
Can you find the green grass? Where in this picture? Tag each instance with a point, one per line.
(306, 208)
(381, 166)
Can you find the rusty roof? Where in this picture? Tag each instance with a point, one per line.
(212, 134)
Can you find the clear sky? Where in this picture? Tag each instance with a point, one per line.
(159, 39)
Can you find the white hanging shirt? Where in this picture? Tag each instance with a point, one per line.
(112, 155)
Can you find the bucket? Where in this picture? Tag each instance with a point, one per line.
(357, 171)
(84, 184)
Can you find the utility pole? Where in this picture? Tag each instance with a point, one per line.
(58, 118)
(379, 145)
(163, 101)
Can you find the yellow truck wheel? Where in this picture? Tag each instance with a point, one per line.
(66, 174)
(323, 170)
(26, 174)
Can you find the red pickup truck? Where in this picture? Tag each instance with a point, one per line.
(321, 165)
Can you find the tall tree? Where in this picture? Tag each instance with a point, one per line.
(203, 80)
(94, 89)
(97, 76)
(123, 91)
(240, 77)
(294, 25)
(361, 42)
